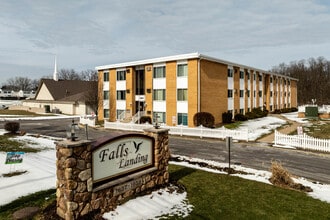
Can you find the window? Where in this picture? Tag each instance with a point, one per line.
(159, 72)
(248, 75)
(260, 93)
(241, 111)
(254, 77)
(106, 76)
(254, 93)
(248, 93)
(121, 75)
(260, 78)
(241, 93)
(159, 95)
(271, 93)
(121, 95)
(182, 119)
(160, 116)
(106, 113)
(230, 93)
(271, 79)
(241, 74)
(182, 70)
(182, 94)
(230, 72)
(119, 112)
(105, 95)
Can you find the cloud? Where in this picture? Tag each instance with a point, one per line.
(90, 33)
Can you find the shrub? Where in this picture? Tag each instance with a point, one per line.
(250, 115)
(282, 178)
(204, 118)
(227, 117)
(240, 117)
(12, 127)
(145, 119)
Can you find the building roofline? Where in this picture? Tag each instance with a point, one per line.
(187, 56)
(152, 60)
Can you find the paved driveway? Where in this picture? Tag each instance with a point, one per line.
(255, 155)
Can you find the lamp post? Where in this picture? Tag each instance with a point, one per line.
(156, 125)
(71, 132)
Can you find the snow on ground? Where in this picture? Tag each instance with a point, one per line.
(260, 126)
(160, 202)
(41, 175)
(293, 116)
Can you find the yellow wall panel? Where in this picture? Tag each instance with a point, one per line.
(113, 94)
(170, 92)
(192, 90)
(100, 115)
(148, 86)
(214, 89)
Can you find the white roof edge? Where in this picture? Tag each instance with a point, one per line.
(149, 61)
(184, 57)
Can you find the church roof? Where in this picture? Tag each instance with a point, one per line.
(67, 90)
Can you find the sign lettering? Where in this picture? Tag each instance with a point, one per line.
(122, 156)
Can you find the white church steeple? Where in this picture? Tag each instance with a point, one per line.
(55, 75)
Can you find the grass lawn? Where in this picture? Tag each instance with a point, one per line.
(318, 129)
(9, 145)
(20, 113)
(218, 196)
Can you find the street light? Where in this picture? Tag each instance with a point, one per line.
(72, 130)
(156, 125)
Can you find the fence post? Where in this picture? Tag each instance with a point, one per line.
(275, 138)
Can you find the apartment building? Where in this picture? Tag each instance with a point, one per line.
(174, 88)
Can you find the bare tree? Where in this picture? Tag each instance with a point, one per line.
(313, 76)
(92, 96)
(68, 74)
(89, 75)
(18, 83)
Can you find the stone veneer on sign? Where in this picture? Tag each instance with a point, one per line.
(76, 195)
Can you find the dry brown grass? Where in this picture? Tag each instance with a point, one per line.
(282, 178)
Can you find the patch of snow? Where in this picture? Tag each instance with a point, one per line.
(160, 202)
(293, 116)
(261, 126)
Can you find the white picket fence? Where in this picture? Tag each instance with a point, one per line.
(200, 131)
(302, 142)
(90, 120)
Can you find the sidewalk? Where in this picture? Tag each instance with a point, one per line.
(291, 126)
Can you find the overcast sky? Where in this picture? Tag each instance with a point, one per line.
(85, 34)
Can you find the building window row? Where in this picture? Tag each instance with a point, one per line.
(182, 70)
(160, 116)
(121, 95)
(182, 95)
(159, 72)
(106, 95)
(182, 119)
(241, 74)
(121, 75)
(106, 76)
(159, 95)
(230, 72)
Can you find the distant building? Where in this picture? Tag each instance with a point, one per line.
(71, 97)
(175, 88)
(16, 95)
